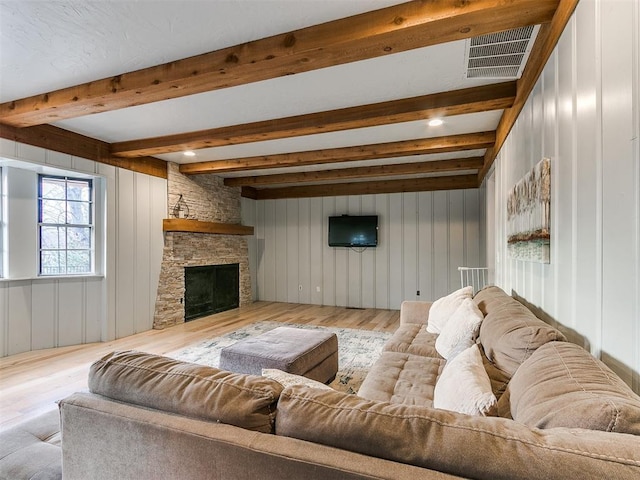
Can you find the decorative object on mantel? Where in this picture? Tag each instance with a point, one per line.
(196, 226)
(528, 216)
(357, 350)
(180, 209)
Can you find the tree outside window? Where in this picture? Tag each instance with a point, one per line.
(65, 225)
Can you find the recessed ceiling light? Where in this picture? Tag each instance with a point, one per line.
(189, 153)
(435, 122)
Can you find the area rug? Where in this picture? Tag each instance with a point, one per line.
(357, 350)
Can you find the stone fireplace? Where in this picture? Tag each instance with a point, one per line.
(208, 200)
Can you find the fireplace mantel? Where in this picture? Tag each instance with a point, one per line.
(196, 226)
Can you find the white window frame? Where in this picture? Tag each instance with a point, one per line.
(91, 225)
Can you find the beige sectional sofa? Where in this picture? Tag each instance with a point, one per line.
(558, 413)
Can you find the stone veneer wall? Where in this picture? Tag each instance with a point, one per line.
(208, 200)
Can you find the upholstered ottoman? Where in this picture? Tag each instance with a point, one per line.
(311, 353)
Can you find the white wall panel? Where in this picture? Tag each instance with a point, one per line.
(71, 309)
(38, 313)
(125, 263)
(44, 314)
(410, 254)
(142, 305)
(315, 250)
(584, 115)
(368, 260)
(291, 251)
(296, 252)
(19, 317)
(304, 251)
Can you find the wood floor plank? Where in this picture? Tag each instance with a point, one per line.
(31, 382)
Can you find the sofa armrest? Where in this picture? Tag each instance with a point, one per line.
(414, 312)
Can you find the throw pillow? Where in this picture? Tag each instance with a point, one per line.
(460, 332)
(442, 309)
(287, 379)
(464, 386)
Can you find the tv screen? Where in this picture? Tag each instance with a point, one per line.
(353, 231)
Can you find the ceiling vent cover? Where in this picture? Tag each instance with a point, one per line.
(500, 55)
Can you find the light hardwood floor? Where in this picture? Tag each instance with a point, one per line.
(31, 382)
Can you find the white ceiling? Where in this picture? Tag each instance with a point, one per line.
(48, 45)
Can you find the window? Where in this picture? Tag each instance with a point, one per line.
(65, 225)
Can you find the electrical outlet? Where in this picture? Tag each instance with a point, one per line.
(318, 289)
(418, 293)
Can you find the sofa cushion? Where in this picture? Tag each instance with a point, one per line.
(188, 389)
(468, 446)
(510, 333)
(464, 385)
(563, 385)
(402, 378)
(460, 332)
(286, 379)
(414, 339)
(442, 309)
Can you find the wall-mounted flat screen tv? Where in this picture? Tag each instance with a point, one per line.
(353, 231)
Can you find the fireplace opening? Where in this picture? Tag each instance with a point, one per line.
(211, 289)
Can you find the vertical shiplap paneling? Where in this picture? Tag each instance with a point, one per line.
(328, 254)
(269, 248)
(125, 254)
(354, 260)
(425, 246)
(586, 170)
(382, 251)
(636, 153)
(4, 313)
(410, 251)
(549, 79)
(142, 316)
(281, 251)
(71, 308)
(341, 261)
(441, 243)
(396, 242)
(456, 237)
(618, 183)
(589, 110)
(317, 241)
(304, 253)
(381, 266)
(290, 268)
(368, 260)
(472, 230)
(44, 314)
(19, 319)
(296, 232)
(94, 313)
(158, 209)
(108, 327)
(563, 207)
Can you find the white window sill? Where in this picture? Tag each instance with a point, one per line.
(52, 277)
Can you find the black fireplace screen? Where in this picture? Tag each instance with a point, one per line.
(211, 289)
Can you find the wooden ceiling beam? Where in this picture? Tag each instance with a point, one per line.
(546, 41)
(451, 143)
(417, 168)
(428, 184)
(372, 34)
(458, 102)
(70, 143)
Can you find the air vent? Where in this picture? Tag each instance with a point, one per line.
(500, 55)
